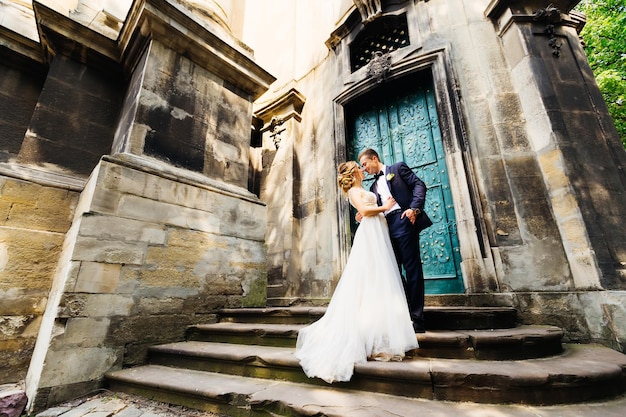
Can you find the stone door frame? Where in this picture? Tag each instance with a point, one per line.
(478, 265)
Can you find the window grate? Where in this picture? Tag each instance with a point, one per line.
(385, 34)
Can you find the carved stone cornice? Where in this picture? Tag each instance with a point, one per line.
(168, 21)
(285, 106)
(207, 45)
(343, 29)
(496, 8)
(280, 110)
(60, 34)
(43, 177)
(504, 13)
(21, 52)
(369, 9)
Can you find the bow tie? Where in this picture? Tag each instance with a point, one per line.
(376, 176)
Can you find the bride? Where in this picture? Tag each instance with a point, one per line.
(367, 316)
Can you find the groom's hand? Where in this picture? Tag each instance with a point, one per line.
(410, 214)
(358, 217)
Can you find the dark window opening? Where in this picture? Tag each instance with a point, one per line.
(385, 34)
(256, 137)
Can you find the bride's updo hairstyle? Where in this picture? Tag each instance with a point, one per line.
(347, 175)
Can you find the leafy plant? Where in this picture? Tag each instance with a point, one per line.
(605, 44)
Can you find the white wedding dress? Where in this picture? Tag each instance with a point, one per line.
(367, 316)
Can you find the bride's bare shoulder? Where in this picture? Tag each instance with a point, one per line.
(356, 192)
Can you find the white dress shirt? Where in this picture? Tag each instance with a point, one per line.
(383, 189)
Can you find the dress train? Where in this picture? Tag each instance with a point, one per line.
(367, 316)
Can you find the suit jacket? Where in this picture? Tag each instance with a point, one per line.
(407, 189)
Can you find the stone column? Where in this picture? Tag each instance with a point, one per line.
(578, 150)
(190, 95)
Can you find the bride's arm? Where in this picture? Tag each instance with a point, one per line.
(357, 199)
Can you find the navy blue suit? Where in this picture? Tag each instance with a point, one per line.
(409, 192)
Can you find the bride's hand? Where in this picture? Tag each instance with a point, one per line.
(389, 203)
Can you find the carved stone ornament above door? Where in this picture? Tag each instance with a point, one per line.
(379, 66)
(369, 9)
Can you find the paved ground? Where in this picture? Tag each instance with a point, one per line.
(108, 404)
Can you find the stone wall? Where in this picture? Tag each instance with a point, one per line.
(34, 220)
(146, 256)
(164, 232)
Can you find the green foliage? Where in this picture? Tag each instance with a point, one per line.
(605, 44)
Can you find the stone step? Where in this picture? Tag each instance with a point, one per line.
(523, 342)
(473, 300)
(436, 317)
(581, 373)
(275, 290)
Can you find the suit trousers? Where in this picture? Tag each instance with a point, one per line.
(405, 242)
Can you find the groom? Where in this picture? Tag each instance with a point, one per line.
(406, 220)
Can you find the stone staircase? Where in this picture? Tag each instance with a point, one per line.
(243, 365)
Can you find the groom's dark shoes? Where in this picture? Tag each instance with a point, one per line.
(419, 327)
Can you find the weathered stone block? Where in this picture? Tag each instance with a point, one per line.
(163, 201)
(149, 328)
(559, 309)
(129, 279)
(172, 92)
(14, 325)
(15, 355)
(535, 271)
(170, 267)
(32, 206)
(120, 228)
(108, 251)
(94, 277)
(254, 289)
(70, 271)
(107, 305)
(86, 332)
(161, 305)
(169, 214)
(194, 239)
(94, 362)
(105, 201)
(20, 301)
(28, 258)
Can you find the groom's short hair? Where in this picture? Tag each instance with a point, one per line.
(370, 153)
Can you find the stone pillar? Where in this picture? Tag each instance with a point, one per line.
(189, 102)
(578, 150)
(274, 164)
(165, 231)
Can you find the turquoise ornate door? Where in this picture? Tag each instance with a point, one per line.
(402, 125)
